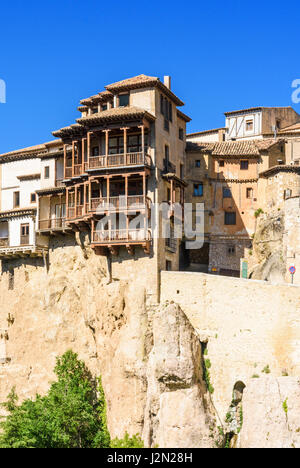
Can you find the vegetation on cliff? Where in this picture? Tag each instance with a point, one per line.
(71, 415)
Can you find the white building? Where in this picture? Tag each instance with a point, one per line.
(23, 174)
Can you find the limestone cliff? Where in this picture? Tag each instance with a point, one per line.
(148, 355)
(267, 259)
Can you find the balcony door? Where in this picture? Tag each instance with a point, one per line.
(24, 234)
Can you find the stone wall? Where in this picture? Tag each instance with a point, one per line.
(247, 325)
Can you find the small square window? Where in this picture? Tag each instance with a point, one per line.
(198, 163)
(47, 172)
(16, 199)
(231, 250)
(227, 192)
(123, 100)
(249, 125)
(221, 163)
(230, 218)
(33, 198)
(198, 190)
(249, 192)
(244, 165)
(95, 110)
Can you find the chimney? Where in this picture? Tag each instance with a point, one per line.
(167, 81)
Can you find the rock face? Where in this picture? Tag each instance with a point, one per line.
(179, 412)
(271, 413)
(149, 357)
(268, 259)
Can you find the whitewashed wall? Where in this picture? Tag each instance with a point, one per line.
(15, 230)
(236, 125)
(10, 182)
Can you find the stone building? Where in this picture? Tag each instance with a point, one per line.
(105, 177)
(224, 176)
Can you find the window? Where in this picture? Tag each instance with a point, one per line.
(180, 134)
(168, 265)
(278, 124)
(198, 190)
(95, 151)
(198, 163)
(161, 104)
(33, 198)
(16, 199)
(104, 107)
(166, 111)
(123, 100)
(221, 163)
(181, 171)
(249, 125)
(47, 172)
(230, 218)
(170, 112)
(249, 192)
(244, 165)
(231, 250)
(95, 110)
(227, 192)
(24, 234)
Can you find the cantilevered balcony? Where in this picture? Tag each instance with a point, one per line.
(52, 225)
(119, 160)
(113, 239)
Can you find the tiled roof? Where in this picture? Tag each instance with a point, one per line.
(234, 148)
(291, 129)
(204, 132)
(254, 109)
(279, 168)
(143, 81)
(110, 115)
(116, 113)
(102, 96)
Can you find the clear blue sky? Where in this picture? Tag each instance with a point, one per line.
(221, 56)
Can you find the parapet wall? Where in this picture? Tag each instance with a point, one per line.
(249, 326)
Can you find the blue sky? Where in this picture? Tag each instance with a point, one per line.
(221, 56)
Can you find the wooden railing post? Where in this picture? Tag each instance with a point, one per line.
(142, 127)
(65, 160)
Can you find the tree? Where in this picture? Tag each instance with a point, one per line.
(71, 415)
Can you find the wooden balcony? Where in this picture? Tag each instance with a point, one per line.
(120, 203)
(119, 160)
(52, 224)
(113, 239)
(4, 242)
(21, 251)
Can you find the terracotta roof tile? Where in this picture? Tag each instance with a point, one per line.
(143, 81)
(234, 148)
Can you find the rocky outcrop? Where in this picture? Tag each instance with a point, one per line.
(267, 261)
(271, 413)
(179, 412)
(149, 357)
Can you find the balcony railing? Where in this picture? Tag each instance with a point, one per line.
(116, 160)
(4, 242)
(136, 202)
(54, 223)
(121, 235)
(25, 240)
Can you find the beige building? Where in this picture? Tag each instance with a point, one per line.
(106, 177)
(225, 177)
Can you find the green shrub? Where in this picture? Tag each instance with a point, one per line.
(128, 442)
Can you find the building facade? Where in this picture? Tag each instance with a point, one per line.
(107, 175)
(225, 178)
